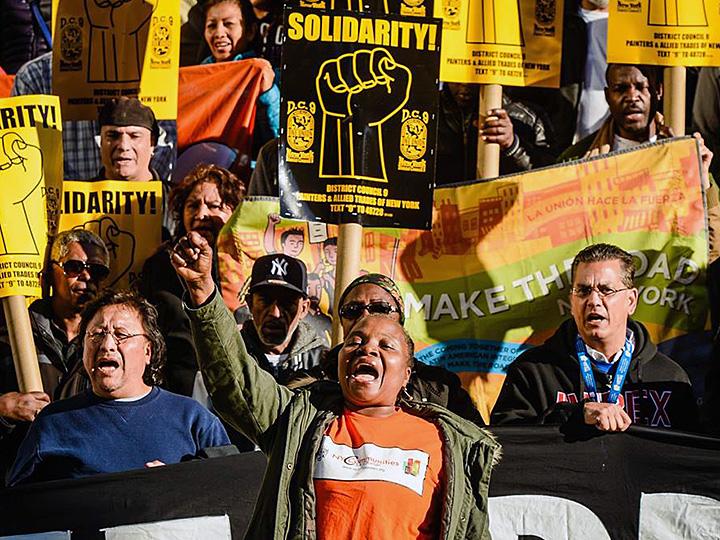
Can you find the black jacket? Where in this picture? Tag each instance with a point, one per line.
(544, 385)
(56, 356)
(160, 284)
(457, 140)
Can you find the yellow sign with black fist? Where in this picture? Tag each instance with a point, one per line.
(664, 32)
(511, 42)
(103, 49)
(126, 215)
(31, 166)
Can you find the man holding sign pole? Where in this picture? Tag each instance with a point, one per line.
(633, 94)
(79, 261)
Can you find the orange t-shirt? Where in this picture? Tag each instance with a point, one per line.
(378, 478)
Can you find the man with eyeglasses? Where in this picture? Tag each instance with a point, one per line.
(600, 368)
(124, 421)
(277, 336)
(78, 265)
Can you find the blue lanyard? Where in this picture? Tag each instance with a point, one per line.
(618, 378)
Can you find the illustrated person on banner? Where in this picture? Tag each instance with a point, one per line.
(118, 36)
(369, 88)
(600, 368)
(292, 241)
(21, 175)
(79, 263)
(125, 421)
(398, 457)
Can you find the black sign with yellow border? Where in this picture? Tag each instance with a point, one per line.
(359, 118)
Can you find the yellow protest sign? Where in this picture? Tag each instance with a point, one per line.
(664, 32)
(511, 42)
(104, 49)
(31, 165)
(126, 215)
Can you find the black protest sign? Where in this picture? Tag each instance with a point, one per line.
(359, 118)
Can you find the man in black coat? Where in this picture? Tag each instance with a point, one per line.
(600, 368)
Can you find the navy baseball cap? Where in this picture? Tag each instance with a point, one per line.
(279, 270)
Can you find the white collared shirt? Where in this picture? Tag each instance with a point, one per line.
(600, 357)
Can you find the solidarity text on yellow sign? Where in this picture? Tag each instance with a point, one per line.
(103, 50)
(126, 215)
(512, 42)
(664, 32)
(31, 165)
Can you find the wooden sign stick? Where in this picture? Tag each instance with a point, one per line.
(675, 88)
(488, 155)
(348, 268)
(22, 344)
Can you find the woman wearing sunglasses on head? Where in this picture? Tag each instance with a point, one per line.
(373, 294)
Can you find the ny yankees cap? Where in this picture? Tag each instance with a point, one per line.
(279, 270)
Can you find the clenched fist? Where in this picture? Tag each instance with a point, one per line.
(21, 173)
(359, 91)
(120, 244)
(367, 84)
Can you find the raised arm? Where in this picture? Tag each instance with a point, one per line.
(245, 395)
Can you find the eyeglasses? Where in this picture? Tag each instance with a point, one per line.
(353, 310)
(74, 267)
(97, 336)
(584, 291)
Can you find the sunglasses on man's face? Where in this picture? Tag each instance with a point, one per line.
(353, 310)
(74, 267)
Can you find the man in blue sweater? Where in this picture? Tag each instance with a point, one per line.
(125, 422)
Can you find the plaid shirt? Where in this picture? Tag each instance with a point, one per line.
(81, 150)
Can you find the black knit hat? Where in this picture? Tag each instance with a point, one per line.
(127, 111)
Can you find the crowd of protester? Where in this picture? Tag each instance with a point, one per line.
(142, 374)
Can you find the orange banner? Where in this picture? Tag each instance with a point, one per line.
(216, 102)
